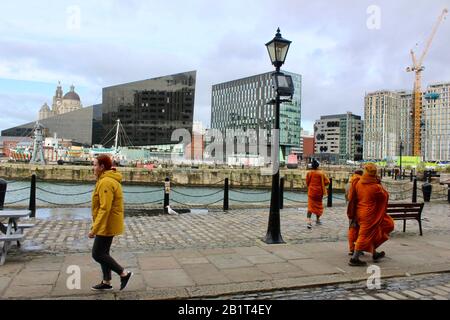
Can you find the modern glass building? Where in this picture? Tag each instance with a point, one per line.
(243, 104)
(149, 111)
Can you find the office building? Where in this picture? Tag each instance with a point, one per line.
(243, 104)
(339, 137)
(436, 120)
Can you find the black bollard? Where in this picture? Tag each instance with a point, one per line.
(448, 193)
(225, 196)
(281, 192)
(330, 194)
(426, 190)
(410, 176)
(166, 195)
(32, 205)
(414, 194)
(404, 174)
(3, 186)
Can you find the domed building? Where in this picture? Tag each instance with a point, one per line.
(70, 102)
(61, 103)
(45, 112)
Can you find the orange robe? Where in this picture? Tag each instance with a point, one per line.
(368, 204)
(316, 181)
(353, 229)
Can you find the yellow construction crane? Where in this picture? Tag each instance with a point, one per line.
(418, 67)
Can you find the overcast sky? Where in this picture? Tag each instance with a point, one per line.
(343, 48)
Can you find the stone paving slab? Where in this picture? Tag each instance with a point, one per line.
(206, 274)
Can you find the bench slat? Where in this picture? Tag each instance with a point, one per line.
(12, 237)
(393, 210)
(25, 226)
(408, 205)
(404, 216)
(22, 226)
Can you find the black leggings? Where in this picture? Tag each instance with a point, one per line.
(100, 253)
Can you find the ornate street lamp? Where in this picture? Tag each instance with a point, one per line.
(277, 49)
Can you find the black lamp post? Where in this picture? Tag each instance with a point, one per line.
(278, 49)
(401, 149)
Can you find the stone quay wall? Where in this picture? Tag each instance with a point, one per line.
(205, 177)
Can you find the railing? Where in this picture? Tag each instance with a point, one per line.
(220, 198)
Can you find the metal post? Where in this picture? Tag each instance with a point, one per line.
(330, 194)
(401, 148)
(281, 193)
(273, 234)
(410, 176)
(32, 205)
(225, 196)
(166, 195)
(448, 193)
(3, 187)
(414, 194)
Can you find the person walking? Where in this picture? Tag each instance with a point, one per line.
(368, 205)
(316, 181)
(353, 228)
(107, 221)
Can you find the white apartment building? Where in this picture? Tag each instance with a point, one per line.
(381, 126)
(436, 119)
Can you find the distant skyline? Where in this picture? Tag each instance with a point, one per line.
(342, 49)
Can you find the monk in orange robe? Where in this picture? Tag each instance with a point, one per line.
(368, 204)
(353, 228)
(316, 181)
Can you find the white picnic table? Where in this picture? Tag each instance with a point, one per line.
(11, 231)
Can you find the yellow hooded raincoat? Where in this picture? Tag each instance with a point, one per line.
(107, 205)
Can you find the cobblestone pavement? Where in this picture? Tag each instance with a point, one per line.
(422, 287)
(214, 229)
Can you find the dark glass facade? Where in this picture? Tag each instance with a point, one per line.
(150, 110)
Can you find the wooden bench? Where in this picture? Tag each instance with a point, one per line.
(406, 211)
